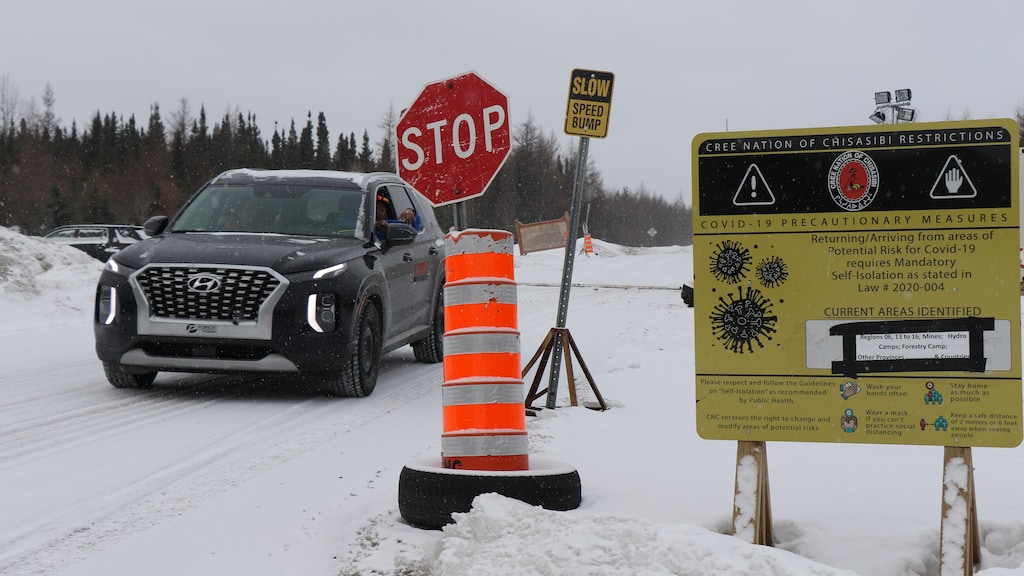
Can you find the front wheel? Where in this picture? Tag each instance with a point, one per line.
(358, 375)
(119, 377)
(431, 348)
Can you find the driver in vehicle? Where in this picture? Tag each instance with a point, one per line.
(239, 217)
(408, 216)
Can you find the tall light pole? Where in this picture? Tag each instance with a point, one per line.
(899, 110)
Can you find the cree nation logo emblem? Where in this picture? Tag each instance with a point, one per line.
(853, 180)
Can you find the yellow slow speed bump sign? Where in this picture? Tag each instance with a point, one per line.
(590, 103)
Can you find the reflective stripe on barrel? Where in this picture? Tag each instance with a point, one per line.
(476, 405)
(495, 450)
(472, 391)
(481, 353)
(481, 341)
(482, 395)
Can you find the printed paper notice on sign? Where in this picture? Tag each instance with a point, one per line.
(913, 345)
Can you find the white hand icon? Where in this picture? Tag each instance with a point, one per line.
(953, 181)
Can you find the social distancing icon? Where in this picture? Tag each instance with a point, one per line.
(753, 190)
(953, 182)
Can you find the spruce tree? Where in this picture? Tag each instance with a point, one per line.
(346, 153)
(322, 157)
(276, 150)
(60, 212)
(366, 154)
(306, 151)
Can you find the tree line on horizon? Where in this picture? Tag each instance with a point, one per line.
(118, 171)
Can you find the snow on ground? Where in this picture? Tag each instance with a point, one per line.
(214, 475)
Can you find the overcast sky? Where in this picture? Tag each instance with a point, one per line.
(681, 67)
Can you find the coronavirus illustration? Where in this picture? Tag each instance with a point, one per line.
(730, 262)
(771, 272)
(743, 321)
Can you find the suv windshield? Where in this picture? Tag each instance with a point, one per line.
(273, 207)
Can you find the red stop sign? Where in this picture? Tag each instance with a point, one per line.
(453, 139)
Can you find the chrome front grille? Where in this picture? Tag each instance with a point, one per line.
(237, 295)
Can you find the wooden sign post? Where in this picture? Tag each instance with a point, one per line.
(959, 514)
(752, 506)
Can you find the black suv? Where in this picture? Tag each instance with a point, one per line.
(277, 271)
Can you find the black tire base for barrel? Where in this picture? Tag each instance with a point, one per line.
(428, 495)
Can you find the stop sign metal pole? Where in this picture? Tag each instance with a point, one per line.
(570, 256)
(459, 215)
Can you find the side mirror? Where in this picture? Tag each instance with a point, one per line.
(399, 234)
(155, 225)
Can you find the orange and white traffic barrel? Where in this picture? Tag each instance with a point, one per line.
(482, 394)
(588, 244)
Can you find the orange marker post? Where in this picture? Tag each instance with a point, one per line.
(482, 394)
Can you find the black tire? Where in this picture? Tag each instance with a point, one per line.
(428, 495)
(431, 348)
(358, 376)
(120, 377)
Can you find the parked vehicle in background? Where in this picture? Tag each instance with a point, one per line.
(281, 272)
(97, 240)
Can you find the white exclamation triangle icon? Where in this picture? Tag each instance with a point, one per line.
(753, 190)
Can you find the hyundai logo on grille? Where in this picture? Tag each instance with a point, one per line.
(204, 283)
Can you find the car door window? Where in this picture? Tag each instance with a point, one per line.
(126, 235)
(92, 235)
(400, 201)
(65, 235)
(399, 198)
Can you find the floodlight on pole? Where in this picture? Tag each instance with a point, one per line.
(899, 111)
(905, 114)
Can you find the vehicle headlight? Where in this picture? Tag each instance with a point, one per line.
(330, 272)
(106, 293)
(112, 266)
(322, 312)
(106, 307)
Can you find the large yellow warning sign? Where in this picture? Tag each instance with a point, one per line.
(859, 284)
